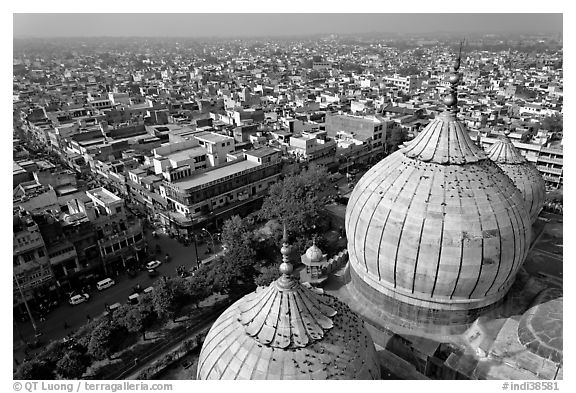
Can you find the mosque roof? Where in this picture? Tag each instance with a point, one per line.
(437, 224)
(288, 331)
(524, 175)
(504, 152)
(444, 141)
(313, 254)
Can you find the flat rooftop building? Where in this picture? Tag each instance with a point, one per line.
(220, 173)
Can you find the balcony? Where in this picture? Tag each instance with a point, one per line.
(557, 161)
(546, 170)
(63, 257)
(19, 248)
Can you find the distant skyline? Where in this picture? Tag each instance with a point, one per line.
(280, 24)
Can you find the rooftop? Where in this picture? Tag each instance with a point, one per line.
(103, 195)
(262, 152)
(180, 155)
(215, 174)
(212, 137)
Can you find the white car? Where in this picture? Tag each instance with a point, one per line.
(153, 265)
(77, 299)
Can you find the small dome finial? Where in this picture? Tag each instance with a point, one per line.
(286, 281)
(451, 99)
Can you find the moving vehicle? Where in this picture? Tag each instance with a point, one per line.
(106, 283)
(153, 264)
(148, 290)
(77, 299)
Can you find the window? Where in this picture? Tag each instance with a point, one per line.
(41, 253)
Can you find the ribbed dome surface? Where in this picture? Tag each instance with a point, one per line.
(524, 175)
(437, 224)
(445, 142)
(288, 332)
(314, 253)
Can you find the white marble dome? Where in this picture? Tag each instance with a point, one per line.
(436, 225)
(314, 254)
(524, 175)
(288, 331)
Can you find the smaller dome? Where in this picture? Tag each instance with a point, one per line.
(314, 254)
(288, 331)
(524, 175)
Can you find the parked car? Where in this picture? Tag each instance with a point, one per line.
(106, 283)
(153, 264)
(133, 299)
(77, 299)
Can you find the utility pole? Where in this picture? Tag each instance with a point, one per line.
(26, 305)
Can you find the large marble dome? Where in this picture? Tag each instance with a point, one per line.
(436, 230)
(288, 331)
(524, 175)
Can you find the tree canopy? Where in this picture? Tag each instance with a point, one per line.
(168, 296)
(34, 369)
(267, 275)
(553, 123)
(106, 339)
(298, 199)
(73, 364)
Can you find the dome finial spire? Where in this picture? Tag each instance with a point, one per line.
(286, 280)
(451, 99)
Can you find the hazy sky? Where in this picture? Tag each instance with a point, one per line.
(202, 25)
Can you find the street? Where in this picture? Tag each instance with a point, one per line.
(75, 316)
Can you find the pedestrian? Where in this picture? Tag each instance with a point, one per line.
(88, 317)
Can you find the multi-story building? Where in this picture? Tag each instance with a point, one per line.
(407, 84)
(218, 146)
(32, 274)
(313, 146)
(359, 138)
(179, 160)
(120, 238)
(361, 128)
(216, 194)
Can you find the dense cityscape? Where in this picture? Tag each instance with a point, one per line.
(192, 208)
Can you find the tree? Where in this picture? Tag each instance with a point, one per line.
(73, 364)
(34, 369)
(553, 123)
(137, 318)
(168, 297)
(267, 276)
(298, 199)
(236, 233)
(199, 287)
(106, 339)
